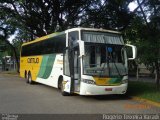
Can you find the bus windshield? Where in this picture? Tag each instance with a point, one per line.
(104, 60)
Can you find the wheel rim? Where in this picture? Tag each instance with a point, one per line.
(62, 86)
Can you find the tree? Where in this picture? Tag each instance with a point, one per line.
(144, 32)
(37, 18)
(153, 30)
(41, 17)
(111, 14)
(6, 31)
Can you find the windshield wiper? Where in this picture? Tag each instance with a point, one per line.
(103, 68)
(116, 68)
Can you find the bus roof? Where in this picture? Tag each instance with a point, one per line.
(93, 29)
(69, 30)
(41, 38)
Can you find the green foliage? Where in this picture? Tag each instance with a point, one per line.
(31, 19)
(144, 33)
(2, 47)
(147, 41)
(17, 44)
(112, 14)
(41, 17)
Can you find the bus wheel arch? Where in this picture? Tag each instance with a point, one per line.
(61, 87)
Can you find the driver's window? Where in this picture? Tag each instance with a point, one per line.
(72, 38)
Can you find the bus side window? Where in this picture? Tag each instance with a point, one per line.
(52, 45)
(66, 63)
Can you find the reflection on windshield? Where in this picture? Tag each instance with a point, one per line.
(104, 60)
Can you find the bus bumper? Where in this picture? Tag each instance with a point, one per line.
(89, 89)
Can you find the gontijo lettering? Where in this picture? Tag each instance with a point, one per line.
(33, 60)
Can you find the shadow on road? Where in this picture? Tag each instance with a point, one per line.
(109, 97)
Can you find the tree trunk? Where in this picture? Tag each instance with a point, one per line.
(16, 57)
(3, 65)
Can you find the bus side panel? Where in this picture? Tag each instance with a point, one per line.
(44, 69)
(31, 64)
(50, 70)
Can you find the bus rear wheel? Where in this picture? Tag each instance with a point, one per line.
(29, 78)
(26, 77)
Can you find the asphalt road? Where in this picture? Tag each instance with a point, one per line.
(20, 98)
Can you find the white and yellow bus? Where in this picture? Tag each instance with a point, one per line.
(85, 61)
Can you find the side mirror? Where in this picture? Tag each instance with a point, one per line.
(134, 51)
(81, 48)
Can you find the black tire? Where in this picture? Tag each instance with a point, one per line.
(60, 82)
(29, 78)
(26, 77)
(62, 90)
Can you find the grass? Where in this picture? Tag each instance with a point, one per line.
(144, 90)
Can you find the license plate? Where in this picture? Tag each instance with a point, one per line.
(108, 89)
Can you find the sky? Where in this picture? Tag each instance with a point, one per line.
(132, 6)
(11, 38)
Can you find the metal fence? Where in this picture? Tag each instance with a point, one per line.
(8, 66)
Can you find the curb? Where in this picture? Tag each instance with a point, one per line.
(146, 101)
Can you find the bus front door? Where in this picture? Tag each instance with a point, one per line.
(71, 66)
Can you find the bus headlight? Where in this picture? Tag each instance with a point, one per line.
(124, 81)
(88, 81)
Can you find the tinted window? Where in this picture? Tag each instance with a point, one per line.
(55, 44)
(102, 37)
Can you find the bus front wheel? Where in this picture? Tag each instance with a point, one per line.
(62, 89)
